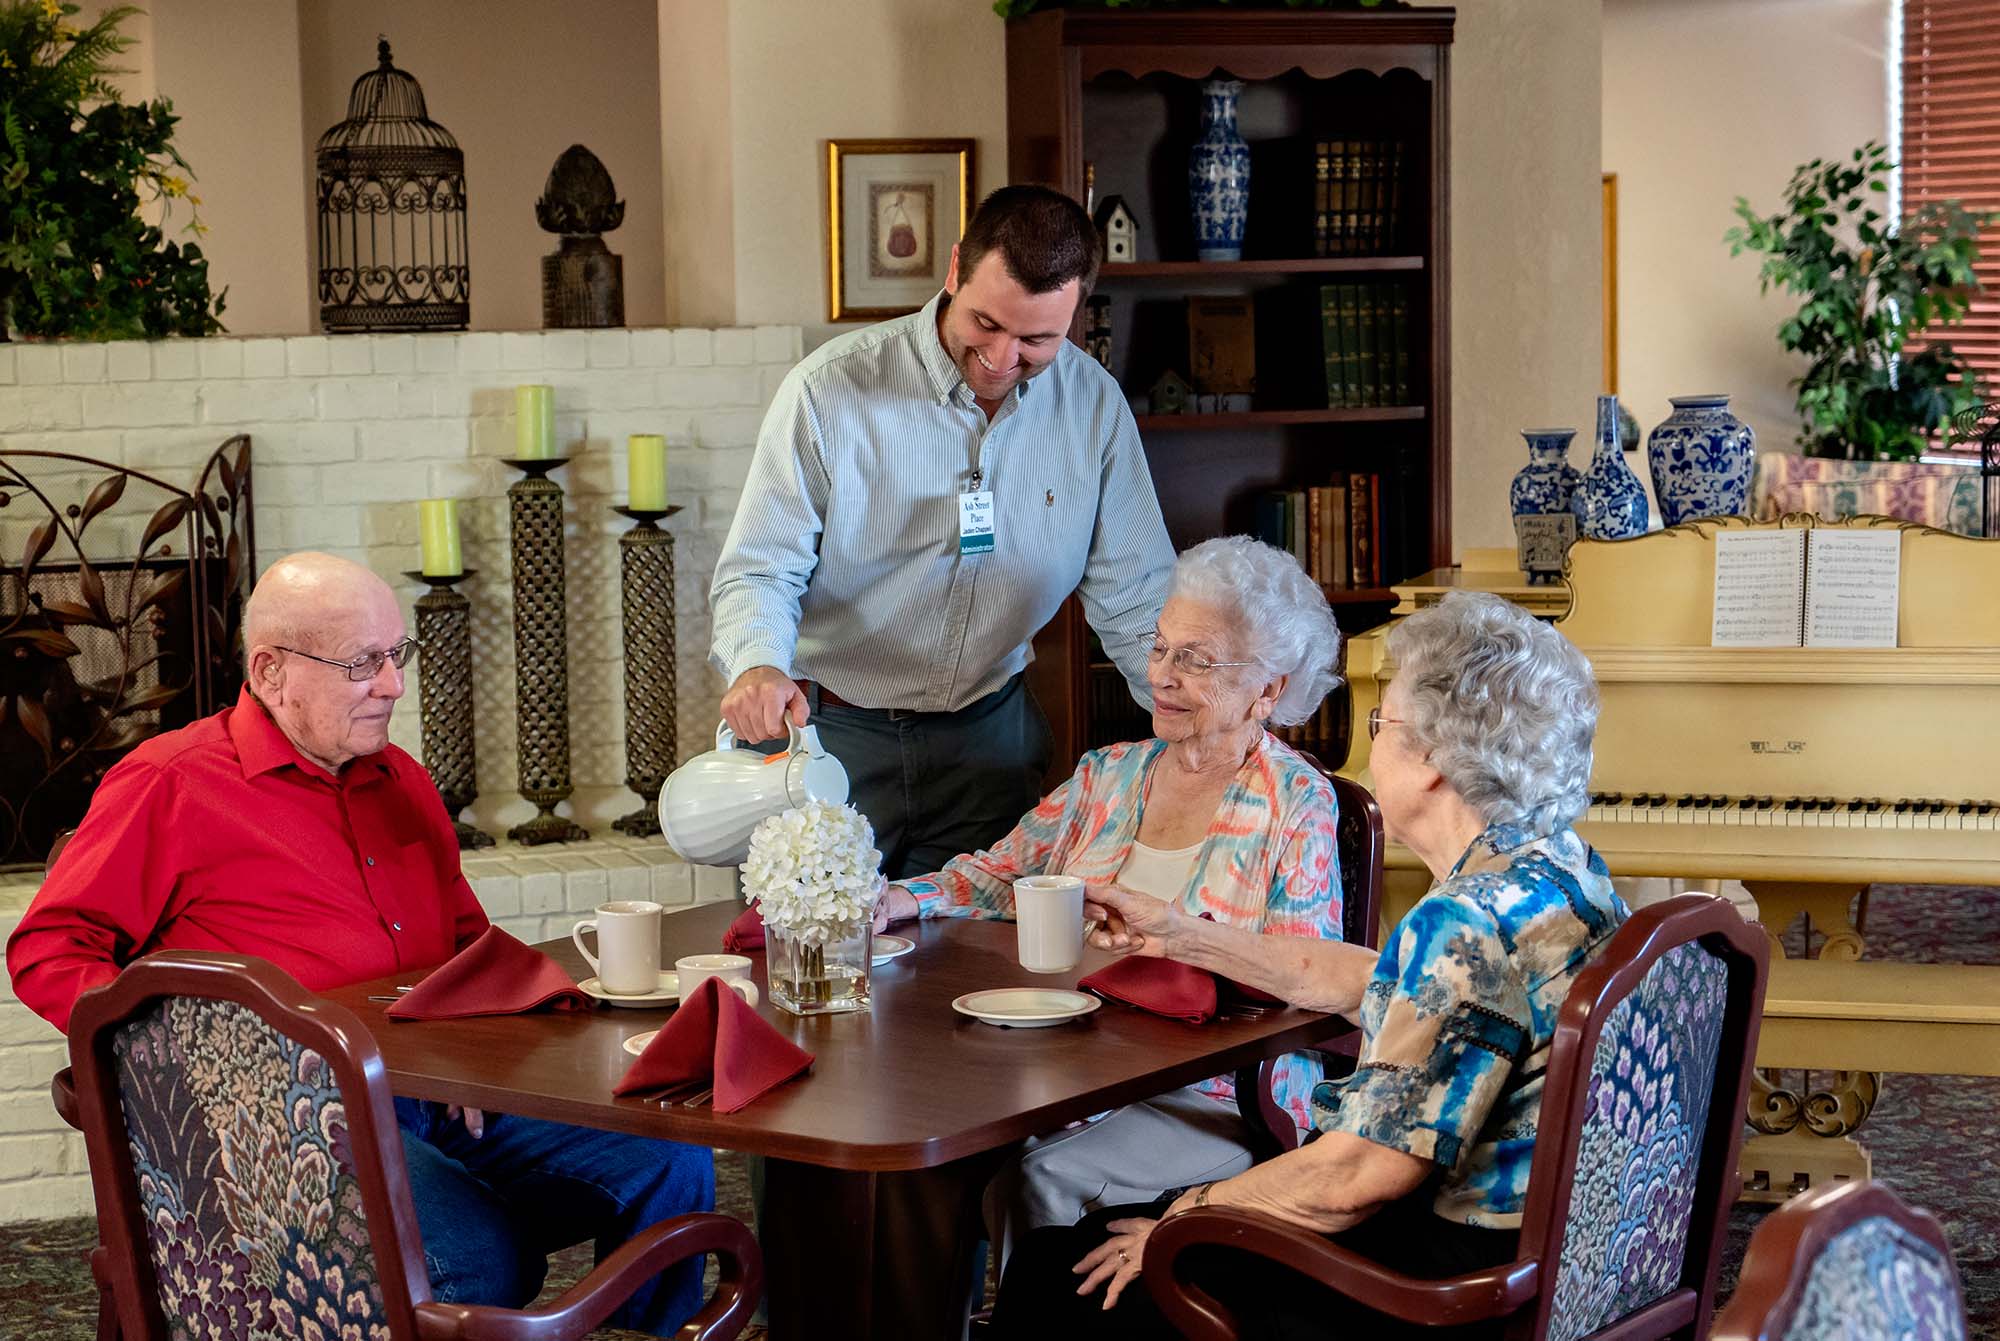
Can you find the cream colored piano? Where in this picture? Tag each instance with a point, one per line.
(1807, 773)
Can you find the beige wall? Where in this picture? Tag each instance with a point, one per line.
(697, 163)
(1706, 100)
(1525, 254)
(801, 72)
(232, 71)
(516, 82)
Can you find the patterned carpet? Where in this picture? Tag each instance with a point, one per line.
(1930, 1136)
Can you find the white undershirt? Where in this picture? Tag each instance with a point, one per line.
(1149, 870)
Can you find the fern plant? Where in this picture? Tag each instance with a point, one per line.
(77, 164)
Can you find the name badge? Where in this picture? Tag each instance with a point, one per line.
(975, 522)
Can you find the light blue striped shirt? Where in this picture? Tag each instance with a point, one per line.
(843, 565)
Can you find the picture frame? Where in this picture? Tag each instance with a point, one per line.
(894, 209)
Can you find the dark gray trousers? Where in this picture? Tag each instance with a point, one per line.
(937, 784)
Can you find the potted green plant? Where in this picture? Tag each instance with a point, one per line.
(77, 258)
(1870, 288)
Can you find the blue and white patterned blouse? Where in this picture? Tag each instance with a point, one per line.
(1457, 1019)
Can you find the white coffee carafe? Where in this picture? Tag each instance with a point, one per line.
(711, 803)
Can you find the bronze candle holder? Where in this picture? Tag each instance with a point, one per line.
(541, 650)
(646, 586)
(444, 670)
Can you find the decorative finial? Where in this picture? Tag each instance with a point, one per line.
(382, 49)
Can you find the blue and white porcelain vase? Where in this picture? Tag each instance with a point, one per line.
(1611, 503)
(1547, 484)
(1219, 175)
(1701, 456)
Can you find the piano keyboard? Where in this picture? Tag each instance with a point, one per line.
(1794, 812)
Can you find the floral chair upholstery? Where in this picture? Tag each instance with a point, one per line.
(1638, 1156)
(1943, 496)
(250, 1182)
(1634, 1168)
(1847, 1262)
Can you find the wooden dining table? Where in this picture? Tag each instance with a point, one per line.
(907, 1084)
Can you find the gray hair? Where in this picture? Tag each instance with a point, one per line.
(1504, 705)
(1283, 615)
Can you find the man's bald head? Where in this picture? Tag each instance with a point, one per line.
(308, 610)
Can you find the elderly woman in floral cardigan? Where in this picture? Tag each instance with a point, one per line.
(1214, 816)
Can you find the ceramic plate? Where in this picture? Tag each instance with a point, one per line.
(888, 947)
(668, 992)
(1025, 1007)
(637, 1043)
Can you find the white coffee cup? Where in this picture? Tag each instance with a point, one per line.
(627, 962)
(733, 970)
(1048, 920)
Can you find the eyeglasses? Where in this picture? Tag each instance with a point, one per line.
(1376, 721)
(1185, 659)
(367, 666)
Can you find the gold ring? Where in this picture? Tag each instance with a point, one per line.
(1124, 1256)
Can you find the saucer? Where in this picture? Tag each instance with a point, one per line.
(637, 1043)
(889, 947)
(1025, 1007)
(668, 992)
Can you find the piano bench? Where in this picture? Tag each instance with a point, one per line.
(1920, 1019)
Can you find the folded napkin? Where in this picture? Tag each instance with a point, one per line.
(716, 1036)
(1178, 991)
(746, 932)
(495, 975)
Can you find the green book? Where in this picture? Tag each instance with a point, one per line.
(1399, 346)
(1329, 325)
(1367, 309)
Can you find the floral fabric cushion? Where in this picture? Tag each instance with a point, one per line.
(1640, 1147)
(1780, 482)
(239, 1140)
(1878, 1282)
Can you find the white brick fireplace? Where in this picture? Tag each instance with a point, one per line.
(347, 433)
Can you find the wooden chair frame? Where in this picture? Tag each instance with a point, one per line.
(1788, 1244)
(123, 1263)
(1522, 1291)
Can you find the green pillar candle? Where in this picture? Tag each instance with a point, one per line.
(437, 521)
(534, 422)
(646, 472)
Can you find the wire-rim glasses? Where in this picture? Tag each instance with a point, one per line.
(367, 666)
(1185, 659)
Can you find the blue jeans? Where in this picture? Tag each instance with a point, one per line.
(492, 1209)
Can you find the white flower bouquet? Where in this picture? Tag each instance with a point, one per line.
(814, 871)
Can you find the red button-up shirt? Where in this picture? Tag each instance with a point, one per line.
(220, 836)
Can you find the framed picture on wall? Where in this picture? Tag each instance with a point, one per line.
(894, 208)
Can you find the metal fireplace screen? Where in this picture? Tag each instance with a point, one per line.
(121, 601)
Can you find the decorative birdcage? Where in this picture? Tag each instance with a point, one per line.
(1979, 426)
(392, 254)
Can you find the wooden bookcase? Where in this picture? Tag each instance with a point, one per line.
(1121, 92)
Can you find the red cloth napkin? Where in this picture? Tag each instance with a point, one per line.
(495, 975)
(1178, 991)
(716, 1036)
(746, 932)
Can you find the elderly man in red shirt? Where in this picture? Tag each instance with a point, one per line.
(288, 827)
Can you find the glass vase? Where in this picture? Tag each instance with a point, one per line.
(819, 969)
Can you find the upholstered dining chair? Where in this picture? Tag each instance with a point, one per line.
(1846, 1262)
(1359, 843)
(1627, 1204)
(250, 1181)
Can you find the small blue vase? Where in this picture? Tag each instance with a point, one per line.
(1701, 457)
(1611, 503)
(1219, 175)
(1548, 482)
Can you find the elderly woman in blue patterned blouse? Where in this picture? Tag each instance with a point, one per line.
(1481, 763)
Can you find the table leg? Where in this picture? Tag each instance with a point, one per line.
(818, 1235)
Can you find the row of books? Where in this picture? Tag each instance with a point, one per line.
(1334, 530)
(1324, 735)
(1357, 196)
(1366, 335)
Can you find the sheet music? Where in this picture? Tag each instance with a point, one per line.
(1853, 582)
(1759, 588)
